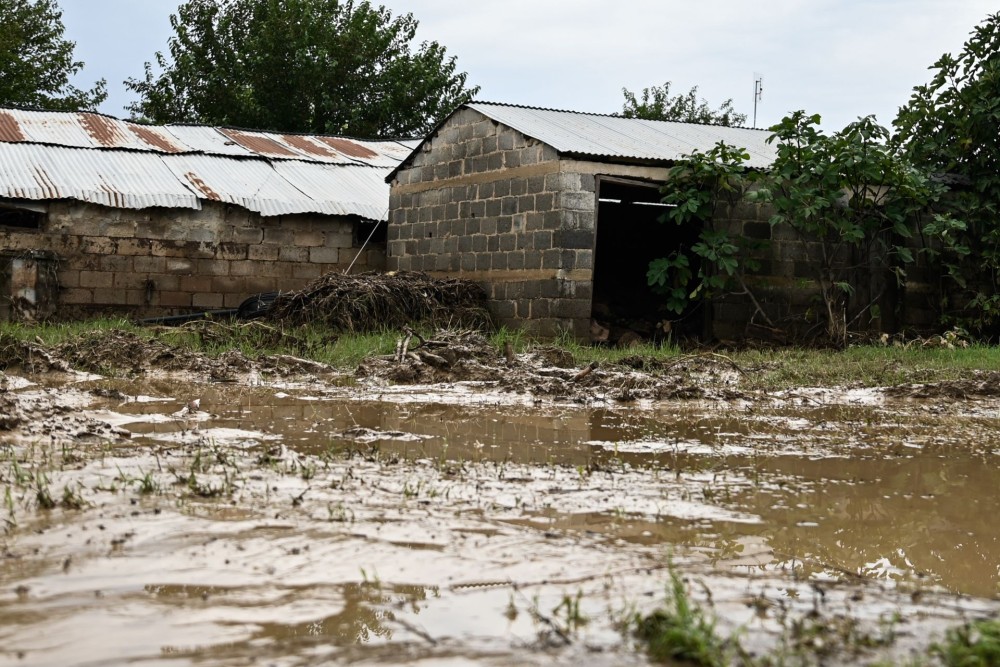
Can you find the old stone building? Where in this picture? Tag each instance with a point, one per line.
(555, 212)
(99, 215)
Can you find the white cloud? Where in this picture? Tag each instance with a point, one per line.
(839, 58)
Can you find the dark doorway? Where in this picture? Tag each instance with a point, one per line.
(630, 234)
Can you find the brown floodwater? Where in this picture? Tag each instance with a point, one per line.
(319, 524)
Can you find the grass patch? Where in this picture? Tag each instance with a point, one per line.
(683, 632)
(863, 366)
(52, 334)
(259, 339)
(584, 354)
(975, 644)
(516, 338)
(214, 338)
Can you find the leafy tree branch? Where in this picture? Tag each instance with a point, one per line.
(656, 103)
(320, 66)
(36, 61)
(949, 126)
(702, 187)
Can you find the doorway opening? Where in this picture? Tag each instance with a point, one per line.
(632, 232)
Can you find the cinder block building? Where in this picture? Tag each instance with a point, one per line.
(99, 215)
(556, 213)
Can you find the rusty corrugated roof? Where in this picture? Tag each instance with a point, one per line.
(100, 159)
(119, 179)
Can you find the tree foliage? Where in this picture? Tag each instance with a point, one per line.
(701, 186)
(855, 200)
(320, 66)
(36, 62)
(850, 199)
(656, 103)
(949, 126)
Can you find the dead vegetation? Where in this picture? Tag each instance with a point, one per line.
(980, 385)
(378, 301)
(544, 371)
(32, 357)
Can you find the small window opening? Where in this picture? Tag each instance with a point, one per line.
(20, 218)
(375, 229)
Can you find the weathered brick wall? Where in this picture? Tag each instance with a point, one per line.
(166, 261)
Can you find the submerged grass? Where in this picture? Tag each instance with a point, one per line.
(975, 644)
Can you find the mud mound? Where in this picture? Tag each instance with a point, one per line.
(981, 385)
(451, 356)
(376, 301)
(31, 357)
(10, 417)
(546, 371)
(114, 351)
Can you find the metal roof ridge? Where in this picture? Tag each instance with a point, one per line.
(144, 123)
(258, 130)
(610, 115)
(18, 107)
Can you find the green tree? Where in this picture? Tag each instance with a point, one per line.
(36, 62)
(704, 189)
(321, 66)
(657, 103)
(851, 200)
(950, 126)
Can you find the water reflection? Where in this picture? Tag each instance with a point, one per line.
(366, 611)
(859, 490)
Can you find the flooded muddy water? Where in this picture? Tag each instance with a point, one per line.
(325, 524)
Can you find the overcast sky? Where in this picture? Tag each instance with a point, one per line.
(839, 58)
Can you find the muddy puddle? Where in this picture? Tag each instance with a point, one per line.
(331, 523)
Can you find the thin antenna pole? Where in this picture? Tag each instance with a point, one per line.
(758, 89)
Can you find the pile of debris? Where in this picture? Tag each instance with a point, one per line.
(376, 301)
(31, 357)
(468, 356)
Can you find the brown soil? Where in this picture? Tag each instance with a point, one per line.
(980, 385)
(546, 371)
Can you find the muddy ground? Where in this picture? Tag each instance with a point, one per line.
(456, 504)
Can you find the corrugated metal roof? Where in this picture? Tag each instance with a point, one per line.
(611, 137)
(94, 130)
(355, 190)
(119, 179)
(252, 184)
(103, 160)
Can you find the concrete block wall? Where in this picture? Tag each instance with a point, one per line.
(786, 285)
(168, 261)
(485, 203)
